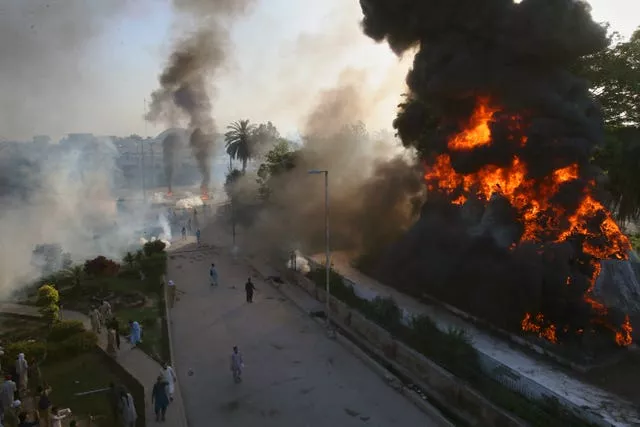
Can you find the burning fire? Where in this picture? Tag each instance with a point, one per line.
(533, 200)
(204, 192)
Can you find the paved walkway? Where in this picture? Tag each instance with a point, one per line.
(294, 376)
(135, 361)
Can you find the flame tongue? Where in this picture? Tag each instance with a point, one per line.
(542, 220)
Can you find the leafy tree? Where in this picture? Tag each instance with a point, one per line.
(76, 273)
(129, 259)
(279, 159)
(232, 177)
(614, 74)
(48, 299)
(155, 247)
(264, 137)
(101, 267)
(238, 141)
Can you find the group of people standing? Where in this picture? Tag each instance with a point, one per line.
(102, 317)
(12, 396)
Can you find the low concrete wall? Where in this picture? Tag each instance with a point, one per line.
(133, 385)
(448, 391)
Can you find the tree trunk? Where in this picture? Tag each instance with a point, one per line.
(230, 165)
(244, 165)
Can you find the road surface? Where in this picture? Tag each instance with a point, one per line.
(294, 376)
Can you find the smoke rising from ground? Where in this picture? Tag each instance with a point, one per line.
(373, 184)
(53, 194)
(186, 82)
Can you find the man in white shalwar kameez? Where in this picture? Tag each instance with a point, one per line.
(169, 376)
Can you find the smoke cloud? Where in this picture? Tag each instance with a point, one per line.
(60, 194)
(185, 83)
(513, 247)
(372, 182)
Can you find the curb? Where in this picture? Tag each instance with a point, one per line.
(390, 380)
(167, 315)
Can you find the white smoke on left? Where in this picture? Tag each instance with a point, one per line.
(61, 194)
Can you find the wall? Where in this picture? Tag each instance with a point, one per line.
(448, 391)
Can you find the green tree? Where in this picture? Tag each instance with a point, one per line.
(129, 259)
(264, 137)
(48, 299)
(279, 159)
(76, 274)
(614, 74)
(238, 141)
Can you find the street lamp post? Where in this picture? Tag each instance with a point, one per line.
(326, 242)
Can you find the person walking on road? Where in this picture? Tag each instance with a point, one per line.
(198, 236)
(170, 378)
(249, 288)
(96, 321)
(213, 275)
(160, 398)
(236, 365)
(184, 233)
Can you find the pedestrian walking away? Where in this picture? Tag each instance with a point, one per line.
(184, 233)
(198, 236)
(96, 320)
(236, 365)
(160, 398)
(213, 275)
(170, 378)
(249, 288)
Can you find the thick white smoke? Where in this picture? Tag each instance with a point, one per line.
(63, 194)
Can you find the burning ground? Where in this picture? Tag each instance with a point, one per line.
(514, 228)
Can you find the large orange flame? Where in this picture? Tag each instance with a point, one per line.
(532, 199)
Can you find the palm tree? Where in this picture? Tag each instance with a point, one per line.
(238, 141)
(76, 274)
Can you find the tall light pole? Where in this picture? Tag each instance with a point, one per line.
(326, 243)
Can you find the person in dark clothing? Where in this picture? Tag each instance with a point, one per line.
(114, 400)
(160, 398)
(24, 423)
(249, 288)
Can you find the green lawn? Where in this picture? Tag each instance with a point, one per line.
(154, 340)
(84, 373)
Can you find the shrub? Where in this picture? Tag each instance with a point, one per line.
(75, 345)
(152, 248)
(385, 312)
(154, 266)
(101, 267)
(65, 329)
(48, 298)
(31, 349)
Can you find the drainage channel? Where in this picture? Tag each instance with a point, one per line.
(406, 381)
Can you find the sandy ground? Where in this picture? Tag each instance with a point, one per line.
(294, 375)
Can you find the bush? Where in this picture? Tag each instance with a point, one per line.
(48, 298)
(153, 248)
(30, 349)
(75, 345)
(154, 266)
(101, 267)
(385, 312)
(65, 329)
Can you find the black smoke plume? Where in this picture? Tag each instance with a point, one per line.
(519, 55)
(170, 145)
(185, 83)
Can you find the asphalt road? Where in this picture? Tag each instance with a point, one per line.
(294, 376)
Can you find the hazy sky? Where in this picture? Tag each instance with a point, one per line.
(92, 75)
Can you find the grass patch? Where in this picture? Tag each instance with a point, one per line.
(450, 349)
(85, 373)
(83, 369)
